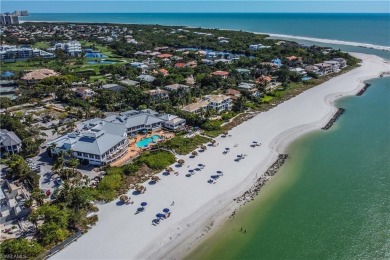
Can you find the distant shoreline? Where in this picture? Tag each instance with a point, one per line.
(271, 35)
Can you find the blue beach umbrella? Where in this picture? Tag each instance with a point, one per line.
(143, 204)
(166, 210)
(219, 171)
(140, 209)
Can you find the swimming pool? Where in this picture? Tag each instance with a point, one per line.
(145, 142)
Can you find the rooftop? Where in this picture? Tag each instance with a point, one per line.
(39, 74)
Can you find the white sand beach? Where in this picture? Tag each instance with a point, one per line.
(198, 205)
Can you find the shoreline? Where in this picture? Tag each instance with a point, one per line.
(271, 35)
(280, 145)
(199, 206)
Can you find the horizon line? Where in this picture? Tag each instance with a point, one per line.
(201, 13)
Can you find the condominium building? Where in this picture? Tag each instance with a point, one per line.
(219, 103)
(96, 142)
(8, 18)
(8, 52)
(72, 48)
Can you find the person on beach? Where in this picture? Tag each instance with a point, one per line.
(173, 203)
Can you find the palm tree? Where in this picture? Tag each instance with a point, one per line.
(55, 130)
(60, 161)
(73, 163)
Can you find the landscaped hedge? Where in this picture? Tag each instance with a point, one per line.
(156, 161)
(183, 145)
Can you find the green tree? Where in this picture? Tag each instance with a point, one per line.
(52, 233)
(5, 102)
(22, 247)
(73, 163)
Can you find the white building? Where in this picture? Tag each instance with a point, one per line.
(219, 103)
(255, 47)
(72, 48)
(10, 142)
(96, 141)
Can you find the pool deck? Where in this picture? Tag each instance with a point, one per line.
(133, 151)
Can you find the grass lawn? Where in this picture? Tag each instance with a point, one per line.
(267, 98)
(41, 45)
(102, 48)
(97, 78)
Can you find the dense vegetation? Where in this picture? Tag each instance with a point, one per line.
(30, 135)
(20, 247)
(183, 145)
(114, 180)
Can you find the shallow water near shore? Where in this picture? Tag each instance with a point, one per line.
(330, 200)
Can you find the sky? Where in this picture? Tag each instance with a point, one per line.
(190, 6)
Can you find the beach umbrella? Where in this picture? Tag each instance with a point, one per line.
(191, 170)
(227, 148)
(166, 210)
(200, 165)
(124, 198)
(219, 171)
(188, 175)
(155, 178)
(255, 142)
(181, 161)
(140, 209)
(143, 204)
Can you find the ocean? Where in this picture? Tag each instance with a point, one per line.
(331, 199)
(356, 29)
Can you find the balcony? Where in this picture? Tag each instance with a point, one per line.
(117, 154)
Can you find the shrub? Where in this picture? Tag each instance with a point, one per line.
(212, 125)
(183, 145)
(156, 161)
(22, 247)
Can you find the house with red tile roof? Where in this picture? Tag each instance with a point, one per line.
(164, 72)
(180, 65)
(164, 56)
(220, 73)
(37, 75)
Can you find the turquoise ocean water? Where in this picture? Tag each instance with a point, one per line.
(331, 200)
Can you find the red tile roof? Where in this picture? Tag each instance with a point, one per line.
(180, 65)
(220, 73)
(163, 56)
